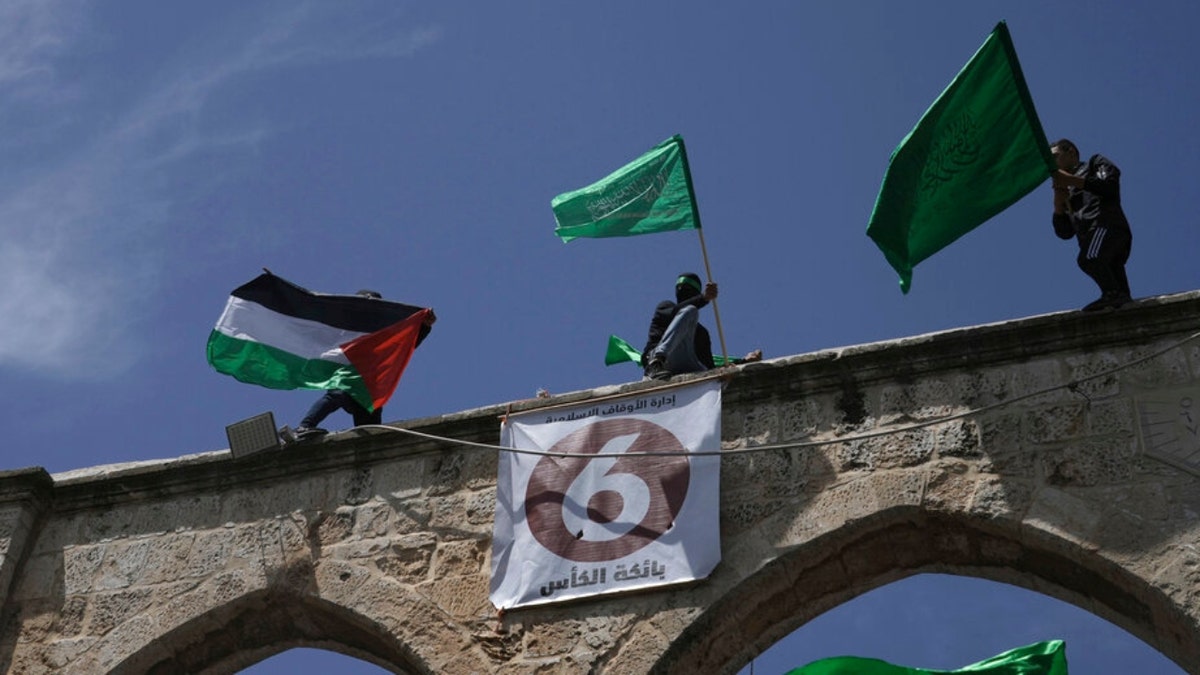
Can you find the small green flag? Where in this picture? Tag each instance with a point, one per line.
(977, 150)
(620, 351)
(653, 193)
(1042, 658)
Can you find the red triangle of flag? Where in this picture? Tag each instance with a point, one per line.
(382, 356)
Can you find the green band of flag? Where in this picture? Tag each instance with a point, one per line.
(276, 334)
(977, 150)
(653, 193)
(1042, 658)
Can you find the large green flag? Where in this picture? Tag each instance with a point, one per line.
(1042, 658)
(977, 150)
(653, 193)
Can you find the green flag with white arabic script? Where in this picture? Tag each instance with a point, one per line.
(653, 193)
(977, 150)
(1042, 658)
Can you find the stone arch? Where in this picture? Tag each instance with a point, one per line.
(897, 543)
(261, 624)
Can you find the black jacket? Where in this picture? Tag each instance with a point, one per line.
(663, 314)
(1098, 204)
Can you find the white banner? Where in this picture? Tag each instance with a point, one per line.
(608, 521)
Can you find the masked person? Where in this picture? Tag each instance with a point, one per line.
(677, 343)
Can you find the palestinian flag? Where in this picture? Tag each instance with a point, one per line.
(278, 335)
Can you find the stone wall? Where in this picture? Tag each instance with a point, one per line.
(1013, 451)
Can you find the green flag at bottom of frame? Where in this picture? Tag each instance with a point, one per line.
(1042, 658)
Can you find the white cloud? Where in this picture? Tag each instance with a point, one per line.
(32, 34)
(77, 230)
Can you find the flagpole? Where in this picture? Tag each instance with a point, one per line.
(716, 312)
(687, 172)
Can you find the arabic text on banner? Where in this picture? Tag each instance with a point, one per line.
(608, 520)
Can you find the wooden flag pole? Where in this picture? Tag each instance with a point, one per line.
(716, 312)
(687, 174)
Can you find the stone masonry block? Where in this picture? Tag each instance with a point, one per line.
(480, 510)
(333, 528)
(759, 425)
(1111, 418)
(639, 651)
(462, 558)
(374, 519)
(977, 389)
(804, 418)
(80, 565)
(408, 559)
(900, 449)
(921, 400)
(769, 474)
(1042, 375)
(460, 597)
(1054, 423)
(1096, 374)
(164, 558)
(69, 621)
(950, 486)
(1099, 461)
(1001, 443)
(1002, 498)
(957, 438)
(209, 553)
(403, 479)
(1178, 576)
(1064, 516)
(108, 610)
(123, 564)
(1151, 368)
(898, 488)
(553, 638)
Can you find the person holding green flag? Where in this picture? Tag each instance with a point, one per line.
(1087, 206)
(677, 343)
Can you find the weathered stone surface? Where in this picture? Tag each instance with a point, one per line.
(1011, 451)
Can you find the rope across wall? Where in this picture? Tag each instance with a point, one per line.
(1072, 385)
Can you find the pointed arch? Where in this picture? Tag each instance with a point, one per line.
(891, 545)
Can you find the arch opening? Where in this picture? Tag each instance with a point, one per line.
(316, 660)
(945, 622)
(260, 625)
(829, 571)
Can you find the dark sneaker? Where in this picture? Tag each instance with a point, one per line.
(309, 432)
(1119, 301)
(1101, 303)
(655, 370)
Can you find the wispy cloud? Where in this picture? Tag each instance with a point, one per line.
(33, 33)
(77, 229)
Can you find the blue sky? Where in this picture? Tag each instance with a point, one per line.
(157, 155)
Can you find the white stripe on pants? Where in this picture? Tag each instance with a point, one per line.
(1093, 250)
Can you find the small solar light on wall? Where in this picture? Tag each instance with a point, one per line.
(252, 435)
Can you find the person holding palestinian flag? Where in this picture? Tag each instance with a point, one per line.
(276, 334)
(339, 398)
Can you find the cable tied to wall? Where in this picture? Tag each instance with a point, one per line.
(1072, 385)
